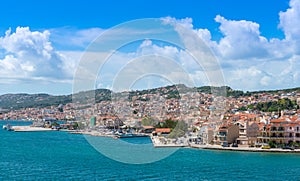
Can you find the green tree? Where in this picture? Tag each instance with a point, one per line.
(272, 144)
(179, 130)
(149, 121)
(243, 108)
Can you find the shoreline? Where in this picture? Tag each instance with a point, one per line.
(220, 148)
(243, 149)
(158, 144)
(156, 141)
(93, 133)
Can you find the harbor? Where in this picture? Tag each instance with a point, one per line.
(158, 141)
(51, 152)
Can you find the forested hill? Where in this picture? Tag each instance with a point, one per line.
(18, 101)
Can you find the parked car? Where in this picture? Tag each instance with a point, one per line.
(265, 147)
(288, 147)
(234, 145)
(225, 144)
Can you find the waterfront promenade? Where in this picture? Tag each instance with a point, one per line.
(163, 142)
(248, 149)
(159, 142)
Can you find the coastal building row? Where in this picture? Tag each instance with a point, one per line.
(252, 130)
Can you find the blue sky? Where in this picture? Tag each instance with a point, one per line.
(62, 30)
(105, 14)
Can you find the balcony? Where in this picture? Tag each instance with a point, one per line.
(277, 136)
(290, 130)
(280, 129)
(263, 137)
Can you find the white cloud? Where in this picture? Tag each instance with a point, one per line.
(249, 60)
(185, 22)
(25, 43)
(289, 23)
(200, 49)
(289, 19)
(29, 54)
(241, 39)
(146, 43)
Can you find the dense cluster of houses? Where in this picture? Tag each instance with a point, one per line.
(211, 123)
(247, 129)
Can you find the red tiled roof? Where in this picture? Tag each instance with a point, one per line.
(148, 127)
(278, 121)
(294, 118)
(291, 124)
(162, 130)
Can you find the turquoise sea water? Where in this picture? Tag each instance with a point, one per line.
(63, 156)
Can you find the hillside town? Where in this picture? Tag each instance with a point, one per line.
(210, 119)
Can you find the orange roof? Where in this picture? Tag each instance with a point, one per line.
(224, 127)
(291, 124)
(148, 127)
(277, 121)
(162, 130)
(261, 125)
(293, 118)
(252, 115)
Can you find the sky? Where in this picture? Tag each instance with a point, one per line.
(257, 42)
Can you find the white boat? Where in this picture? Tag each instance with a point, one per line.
(7, 127)
(130, 135)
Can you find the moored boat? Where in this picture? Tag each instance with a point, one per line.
(7, 127)
(130, 135)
